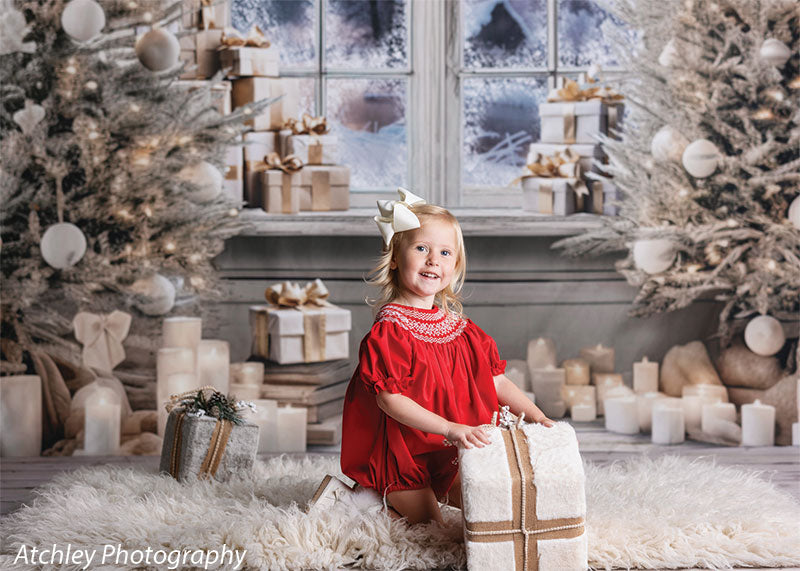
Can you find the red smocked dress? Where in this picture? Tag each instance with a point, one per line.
(444, 363)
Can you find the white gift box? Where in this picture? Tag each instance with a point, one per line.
(546, 464)
(603, 195)
(578, 122)
(324, 188)
(246, 61)
(306, 335)
(257, 145)
(311, 149)
(591, 156)
(549, 195)
(247, 90)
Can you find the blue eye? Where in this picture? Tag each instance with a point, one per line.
(446, 252)
(421, 248)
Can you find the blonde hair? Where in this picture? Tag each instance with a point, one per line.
(385, 278)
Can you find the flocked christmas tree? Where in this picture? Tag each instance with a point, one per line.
(111, 188)
(709, 164)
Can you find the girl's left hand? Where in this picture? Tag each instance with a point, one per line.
(544, 420)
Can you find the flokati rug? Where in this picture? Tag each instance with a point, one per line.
(668, 512)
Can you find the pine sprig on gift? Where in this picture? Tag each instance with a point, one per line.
(216, 405)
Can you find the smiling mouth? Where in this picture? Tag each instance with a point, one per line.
(429, 276)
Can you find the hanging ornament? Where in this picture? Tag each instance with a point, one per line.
(28, 117)
(774, 52)
(764, 335)
(669, 56)
(63, 245)
(154, 294)
(700, 158)
(205, 177)
(158, 50)
(653, 256)
(794, 212)
(83, 20)
(13, 29)
(668, 145)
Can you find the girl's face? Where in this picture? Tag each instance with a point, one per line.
(425, 261)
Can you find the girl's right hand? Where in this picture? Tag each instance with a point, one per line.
(466, 435)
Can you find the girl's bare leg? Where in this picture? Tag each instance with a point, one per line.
(454, 493)
(419, 506)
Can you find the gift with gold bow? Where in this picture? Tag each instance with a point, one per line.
(280, 183)
(553, 184)
(257, 145)
(283, 90)
(300, 325)
(250, 55)
(102, 336)
(310, 139)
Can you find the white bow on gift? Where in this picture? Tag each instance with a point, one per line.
(396, 216)
(102, 336)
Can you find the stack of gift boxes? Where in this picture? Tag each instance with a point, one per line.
(572, 119)
(285, 164)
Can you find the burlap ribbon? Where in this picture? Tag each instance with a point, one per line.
(308, 125)
(231, 38)
(232, 172)
(102, 336)
(525, 529)
(289, 165)
(563, 164)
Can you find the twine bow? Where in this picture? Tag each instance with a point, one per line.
(290, 294)
(308, 125)
(102, 336)
(572, 92)
(564, 164)
(289, 164)
(396, 216)
(255, 38)
(176, 400)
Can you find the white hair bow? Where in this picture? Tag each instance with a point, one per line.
(396, 216)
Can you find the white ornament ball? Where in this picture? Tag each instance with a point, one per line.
(764, 335)
(158, 50)
(157, 293)
(700, 158)
(774, 52)
(206, 178)
(669, 56)
(794, 212)
(82, 20)
(653, 256)
(668, 145)
(63, 245)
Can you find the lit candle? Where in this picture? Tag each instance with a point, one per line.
(577, 371)
(645, 376)
(584, 412)
(292, 428)
(668, 427)
(541, 353)
(719, 419)
(719, 392)
(249, 373)
(644, 407)
(517, 372)
(693, 408)
(182, 332)
(20, 415)
(214, 364)
(101, 422)
(604, 382)
(548, 384)
(266, 418)
(621, 415)
(245, 392)
(579, 394)
(758, 424)
(600, 359)
(172, 361)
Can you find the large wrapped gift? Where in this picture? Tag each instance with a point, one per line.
(248, 90)
(554, 184)
(202, 446)
(524, 500)
(248, 56)
(310, 140)
(300, 325)
(257, 145)
(233, 185)
(324, 188)
(200, 52)
(591, 158)
(575, 114)
(280, 184)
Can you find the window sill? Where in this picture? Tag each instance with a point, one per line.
(358, 222)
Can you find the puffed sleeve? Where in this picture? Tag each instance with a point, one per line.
(385, 358)
(496, 364)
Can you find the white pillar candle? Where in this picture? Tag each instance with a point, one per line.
(714, 412)
(20, 415)
(182, 332)
(584, 412)
(579, 394)
(600, 359)
(693, 408)
(245, 392)
(541, 353)
(292, 423)
(172, 361)
(758, 424)
(214, 364)
(644, 408)
(796, 434)
(101, 422)
(668, 427)
(517, 372)
(577, 371)
(266, 418)
(548, 384)
(719, 392)
(604, 382)
(645, 376)
(249, 373)
(621, 415)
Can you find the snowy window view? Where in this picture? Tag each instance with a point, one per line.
(364, 66)
(580, 34)
(504, 33)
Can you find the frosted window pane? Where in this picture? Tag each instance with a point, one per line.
(361, 34)
(288, 24)
(501, 118)
(369, 116)
(504, 33)
(307, 100)
(581, 41)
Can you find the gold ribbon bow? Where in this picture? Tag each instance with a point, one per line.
(102, 336)
(564, 164)
(289, 164)
(308, 125)
(290, 294)
(572, 92)
(254, 39)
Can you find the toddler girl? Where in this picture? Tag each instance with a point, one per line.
(426, 373)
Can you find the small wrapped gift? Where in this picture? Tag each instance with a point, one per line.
(603, 198)
(524, 499)
(309, 139)
(257, 145)
(280, 184)
(324, 188)
(233, 185)
(591, 158)
(248, 90)
(300, 325)
(554, 184)
(578, 115)
(248, 56)
(200, 50)
(206, 438)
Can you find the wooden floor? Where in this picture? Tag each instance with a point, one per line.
(19, 477)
